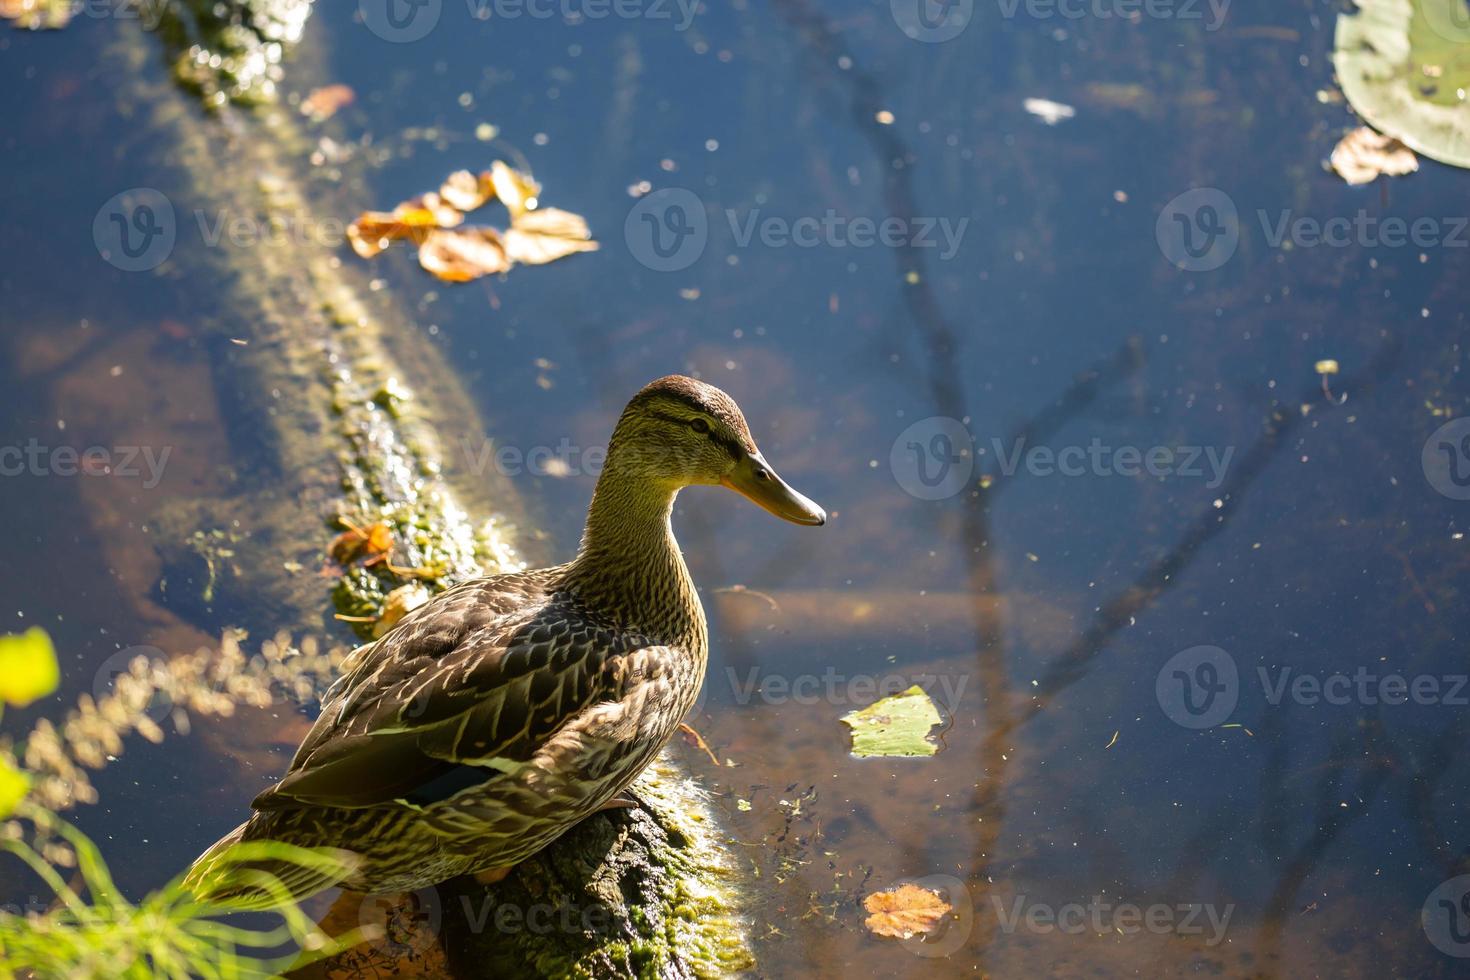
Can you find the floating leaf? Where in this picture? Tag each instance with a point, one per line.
(904, 912)
(1364, 154)
(1404, 66)
(467, 192)
(460, 255)
(373, 231)
(28, 668)
(323, 103)
(895, 726)
(14, 785)
(517, 191)
(539, 237)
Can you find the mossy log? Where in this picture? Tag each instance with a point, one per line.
(341, 407)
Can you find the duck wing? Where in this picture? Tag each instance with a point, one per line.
(464, 690)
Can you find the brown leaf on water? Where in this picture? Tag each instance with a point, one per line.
(1363, 154)
(373, 231)
(323, 103)
(462, 255)
(516, 190)
(538, 237)
(467, 192)
(904, 912)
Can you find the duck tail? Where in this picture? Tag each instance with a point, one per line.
(245, 871)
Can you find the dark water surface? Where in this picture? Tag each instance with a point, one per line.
(1294, 528)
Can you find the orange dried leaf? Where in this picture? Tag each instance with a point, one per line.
(462, 255)
(355, 542)
(904, 912)
(323, 103)
(538, 237)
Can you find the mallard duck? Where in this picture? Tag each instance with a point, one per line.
(493, 718)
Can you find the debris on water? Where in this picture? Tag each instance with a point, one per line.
(1363, 154)
(452, 253)
(324, 103)
(1048, 111)
(1114, 740)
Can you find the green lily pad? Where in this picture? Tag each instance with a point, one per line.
(895, 726)
(28, 668)
(1404, 66)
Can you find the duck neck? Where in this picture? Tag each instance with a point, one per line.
(629, 566)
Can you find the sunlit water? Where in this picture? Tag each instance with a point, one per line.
(1041, 600)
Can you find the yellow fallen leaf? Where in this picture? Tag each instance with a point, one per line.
(904, 912)
(28, 668)
(14, 785)
(461, 255)
(538, 237)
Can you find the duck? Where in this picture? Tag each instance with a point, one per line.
(496, 716)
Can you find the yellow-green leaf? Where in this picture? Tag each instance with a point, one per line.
(14, 785)
(28, 668)
(897, 725)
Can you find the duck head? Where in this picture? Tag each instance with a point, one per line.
(680, 432)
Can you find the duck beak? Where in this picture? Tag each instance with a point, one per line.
(753, 478)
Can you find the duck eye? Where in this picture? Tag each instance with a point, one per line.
(700, 426)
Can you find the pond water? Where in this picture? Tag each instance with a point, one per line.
(1162, 575)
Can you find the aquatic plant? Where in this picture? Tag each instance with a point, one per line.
(90, 929)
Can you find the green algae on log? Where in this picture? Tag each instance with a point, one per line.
(337, 406)
(228, 52)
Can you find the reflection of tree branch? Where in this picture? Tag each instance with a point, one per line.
(1076, 660)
